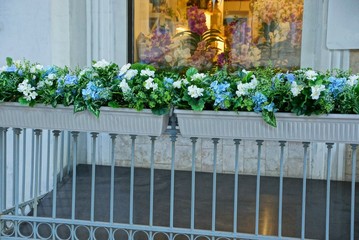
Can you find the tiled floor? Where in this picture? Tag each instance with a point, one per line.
(292, 195)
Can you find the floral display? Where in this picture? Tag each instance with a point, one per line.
(139, 86)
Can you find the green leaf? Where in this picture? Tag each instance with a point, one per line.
(9, 61)
(269, 118)
(23, 101)
(113, 104)
(78, 107)
(197, 105)
(191, 71)
(160, 111)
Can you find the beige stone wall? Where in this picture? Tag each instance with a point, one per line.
(248, 153)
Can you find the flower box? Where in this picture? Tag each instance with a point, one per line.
(111, 120)
(249, 125)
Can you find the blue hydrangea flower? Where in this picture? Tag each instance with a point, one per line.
(12, 68)
(290, 77)
(94, 92)
(168, 82)
(259, 99)
(50, 70)
(70, 79)
(220, 93)
(269, 107)
(336, 85)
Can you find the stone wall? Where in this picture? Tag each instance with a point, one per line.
(248, 153)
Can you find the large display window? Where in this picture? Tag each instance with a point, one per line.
(207, 33)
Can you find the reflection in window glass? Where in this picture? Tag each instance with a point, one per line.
(207, 33)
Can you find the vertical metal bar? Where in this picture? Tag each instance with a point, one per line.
(16, 155)
(329, 170)
(40, 171)
(152, 178)
(37, 166)
(17, 132)
(74, 176)
(173, 136)
(68, 153)
(5, 165)
(23, 165)
(32, 179)
(214, 183)
(281, 166)
(73, 205)
(93, 181)
(193, 182)
(62, 155)
(235, 200)
(2, 170)
(132, 181)
(56, 134)
(112, 188)
(112, 184)
(352, 208)
(93, 176)
(304, 193)
(54, 180)
(48, 162)
(259, 144)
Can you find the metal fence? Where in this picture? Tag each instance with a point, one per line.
(42, 160)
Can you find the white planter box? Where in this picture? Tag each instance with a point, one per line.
(111, 120)
(249, 125)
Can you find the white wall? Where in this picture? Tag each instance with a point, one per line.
(25, 30)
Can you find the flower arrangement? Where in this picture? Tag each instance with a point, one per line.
(138, 86)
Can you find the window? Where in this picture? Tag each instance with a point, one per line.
(206, 33)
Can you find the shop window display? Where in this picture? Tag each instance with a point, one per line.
(207, 33)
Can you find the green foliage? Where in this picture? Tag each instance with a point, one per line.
(141, 86)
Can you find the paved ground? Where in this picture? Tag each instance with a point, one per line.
(315, 214)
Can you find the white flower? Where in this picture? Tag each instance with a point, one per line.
(353, 80)
(147, 72)
(245, 71)
(23, 86)
(198, 76)
(154, 86)
(84, 71)
(150, 84)
(39, 67)
(177, 84)
(48, 82)
(101, 64)
(194, 91)
(311, 75)
(32, 70)
(253, 83)
(124, 69)
(241, 89)
(51, 76)
(316, 90)
(124, 86)
(17, 63)
(32, 95)
(40, 84)
(296, 89)
(26, 89)
(185, 81)
(130, 74)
